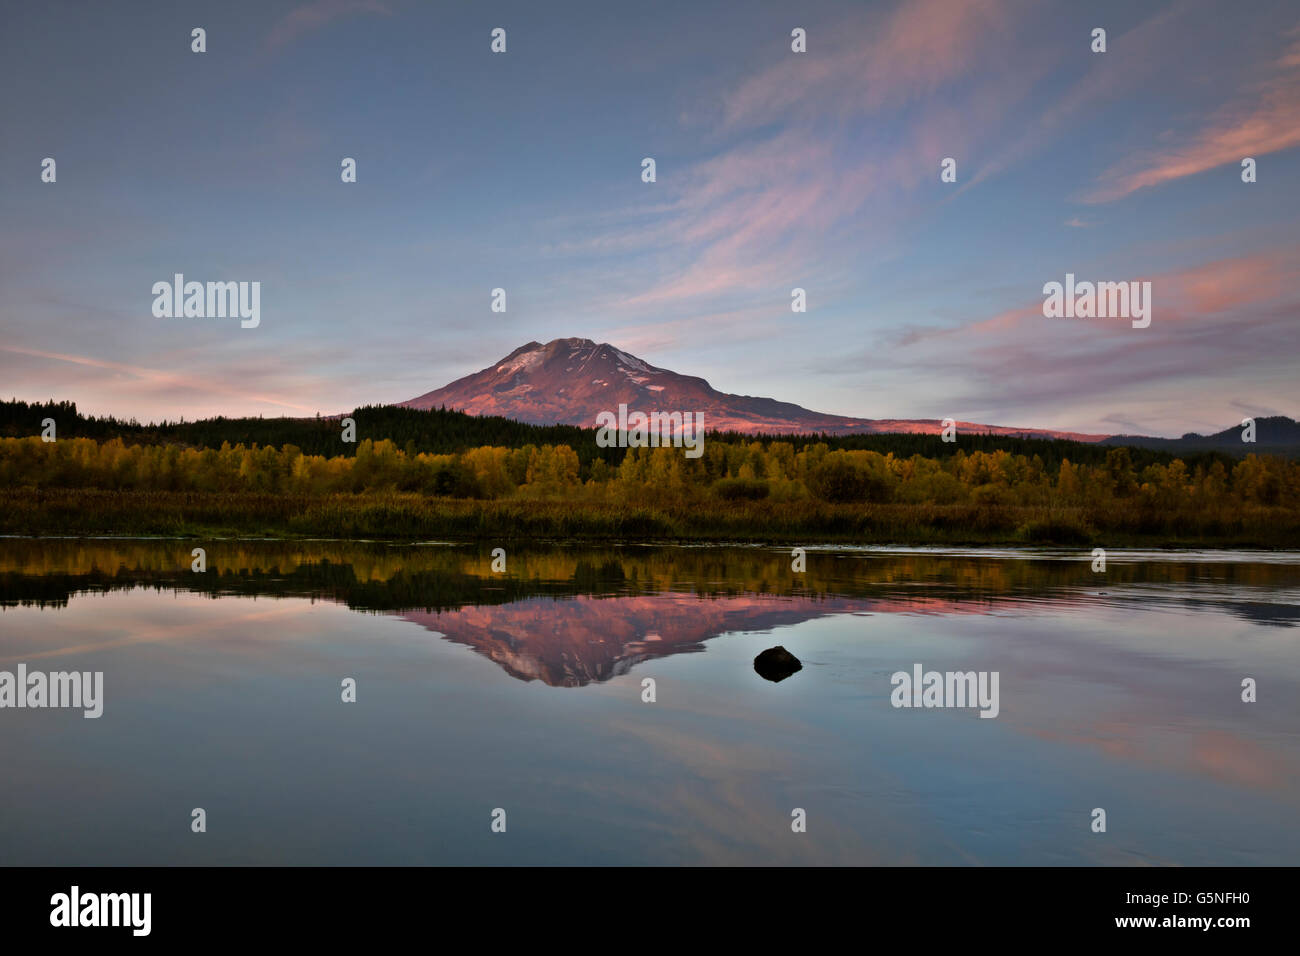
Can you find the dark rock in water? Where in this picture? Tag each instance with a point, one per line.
(776, 664)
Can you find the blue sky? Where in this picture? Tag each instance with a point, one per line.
(774, 170)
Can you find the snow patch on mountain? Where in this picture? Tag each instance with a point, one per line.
(527, 360)
(631, 361)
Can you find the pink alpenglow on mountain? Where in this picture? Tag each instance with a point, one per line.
(571, 381)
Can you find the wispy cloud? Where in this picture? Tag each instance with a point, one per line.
(771, 206)
(313, 16)
(910, 52)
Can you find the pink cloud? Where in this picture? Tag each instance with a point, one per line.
(1222, 329)
(1233, 283)
(1202, 291)
(1266, 121)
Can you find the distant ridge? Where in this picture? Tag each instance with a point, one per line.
(1276, 433)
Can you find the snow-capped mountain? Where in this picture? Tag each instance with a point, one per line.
(570, 381)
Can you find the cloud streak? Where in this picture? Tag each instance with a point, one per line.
(158, 380)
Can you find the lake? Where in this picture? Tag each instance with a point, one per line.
(518, 698)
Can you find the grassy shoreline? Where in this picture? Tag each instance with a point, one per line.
(409, 516)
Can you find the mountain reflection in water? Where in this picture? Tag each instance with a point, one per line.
(570, 617)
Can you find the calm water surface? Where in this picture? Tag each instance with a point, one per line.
(523, 691)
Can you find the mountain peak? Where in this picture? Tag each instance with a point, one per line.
(570, 381)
